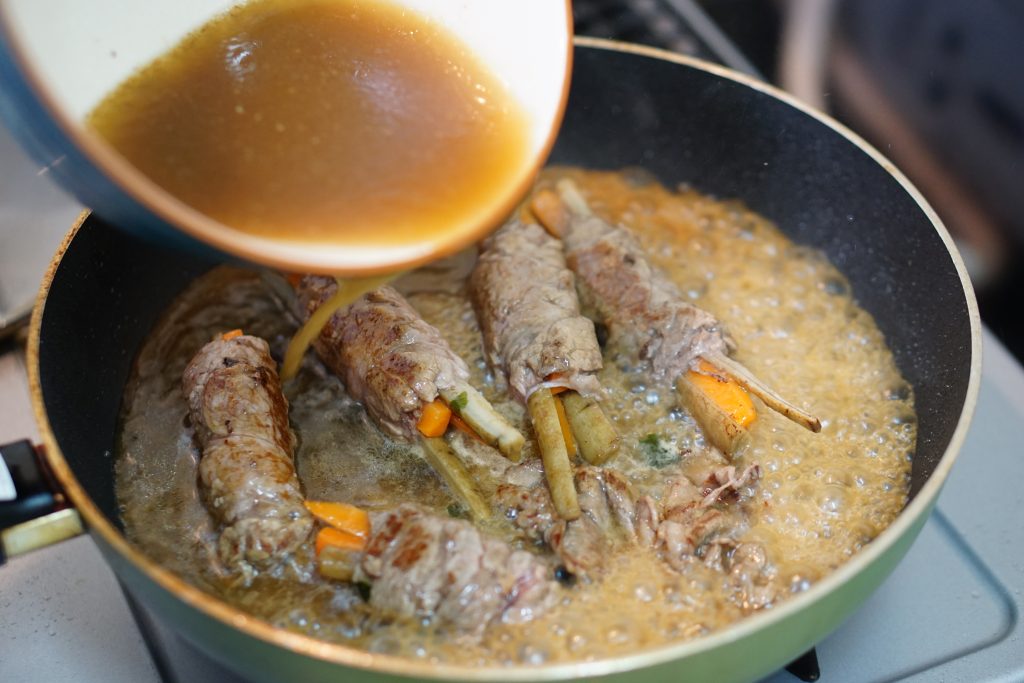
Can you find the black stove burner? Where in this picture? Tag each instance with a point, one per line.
(805, 667)
(676, 25)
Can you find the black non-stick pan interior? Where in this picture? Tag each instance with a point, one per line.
(729, 140)
(681, 123)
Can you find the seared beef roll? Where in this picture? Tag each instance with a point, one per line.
(395, 364)
(429, 567)
(643, 309)
(246, 471)
(390, 359)
(525, 300)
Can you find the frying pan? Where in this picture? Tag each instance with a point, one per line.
(684, 120)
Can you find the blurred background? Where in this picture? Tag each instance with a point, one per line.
(937, 85)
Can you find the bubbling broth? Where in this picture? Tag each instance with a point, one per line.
(821, 497)
(322, 121)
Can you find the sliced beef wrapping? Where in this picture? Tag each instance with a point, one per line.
(691, 524)
(706, 523)
(246, 470)
(643, 309)
(390, 359)
(424, 566)
(608, 519)
(525, 299)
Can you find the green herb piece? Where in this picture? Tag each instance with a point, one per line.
(458, 403)
(457, 511)
(658, 454)
(363, 589)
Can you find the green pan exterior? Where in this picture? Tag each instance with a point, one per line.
(741, 661)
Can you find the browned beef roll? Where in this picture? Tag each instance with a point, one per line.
(525, 300)
(390, 359)
(643, 309)
(430, 567)
(246, 471)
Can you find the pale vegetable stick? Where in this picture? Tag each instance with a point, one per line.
(570, 194)
(746, 379)
(557, 468)
(478, 413)
(595, 437)
(338, 563)
(447, 464)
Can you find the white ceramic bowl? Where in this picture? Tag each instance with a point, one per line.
(59, 58)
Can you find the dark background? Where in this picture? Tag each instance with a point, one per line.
(936, 85)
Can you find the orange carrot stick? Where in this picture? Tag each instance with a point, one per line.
(552, 214)
(724, 392)
(434, 419)
(230, 335)
(563, 421)
(341, 516)
(335, 538)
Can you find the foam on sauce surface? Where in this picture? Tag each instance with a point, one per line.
(346, 122)
(820, 499)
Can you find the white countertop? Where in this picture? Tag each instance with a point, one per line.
(62, 615)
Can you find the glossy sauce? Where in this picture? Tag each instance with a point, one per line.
(822, 496)
(348, 291)
(322, 121)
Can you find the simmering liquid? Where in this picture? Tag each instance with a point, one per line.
(337, 121)
(821, 498)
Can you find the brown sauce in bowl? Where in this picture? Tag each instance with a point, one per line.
(821, 498)
(322, 121)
